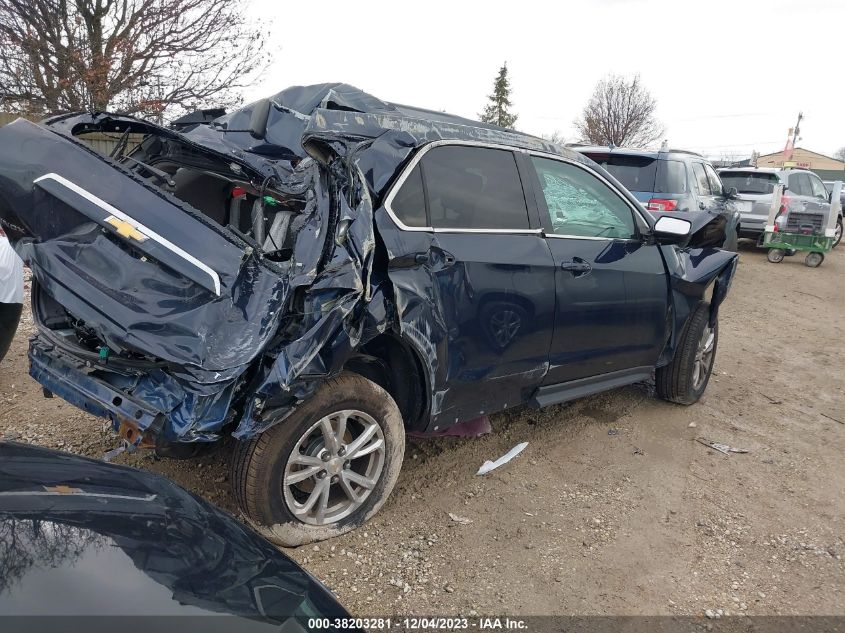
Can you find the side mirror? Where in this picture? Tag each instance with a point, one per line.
(258, 119)
(732, 193)
(671, 230)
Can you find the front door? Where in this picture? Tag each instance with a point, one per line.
(611, 285)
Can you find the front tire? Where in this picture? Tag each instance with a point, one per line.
(684, 380)
(837, 236)
(324, 470)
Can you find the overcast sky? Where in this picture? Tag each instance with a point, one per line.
(715, 93)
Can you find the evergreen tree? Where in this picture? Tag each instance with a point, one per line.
(497, 111)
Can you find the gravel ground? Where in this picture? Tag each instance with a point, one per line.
(613, 508)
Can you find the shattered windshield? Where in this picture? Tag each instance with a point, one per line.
(580, 204)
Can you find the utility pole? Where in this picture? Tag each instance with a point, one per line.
(795, 132)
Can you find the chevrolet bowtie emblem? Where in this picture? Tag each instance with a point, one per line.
(124, 229)
(62, 489)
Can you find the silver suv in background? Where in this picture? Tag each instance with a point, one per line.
(755, 187)
(669, 180)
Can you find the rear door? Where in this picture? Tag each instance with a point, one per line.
(611, 286)
(146, 271)
(474, 277)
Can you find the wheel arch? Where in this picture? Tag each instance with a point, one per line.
(692, 281)
(393, 363)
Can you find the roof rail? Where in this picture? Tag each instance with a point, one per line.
(684, 151)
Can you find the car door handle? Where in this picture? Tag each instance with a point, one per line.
(576, 266)
(435, 257)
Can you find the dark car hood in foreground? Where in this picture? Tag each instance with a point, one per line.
(82, 537)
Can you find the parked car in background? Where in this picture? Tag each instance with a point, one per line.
(669, 180)
(11, 293)
(80, 537)
(274, 276)
(755, 187)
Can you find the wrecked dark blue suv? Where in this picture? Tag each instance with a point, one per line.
(320, 272)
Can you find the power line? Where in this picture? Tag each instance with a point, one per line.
(729, 145)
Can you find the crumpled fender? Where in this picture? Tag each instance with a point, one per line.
(695, 275)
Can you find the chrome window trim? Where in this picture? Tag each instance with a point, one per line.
(562, 159)
(490, 231)
(394, 190)
(391, 195)
(588, 237)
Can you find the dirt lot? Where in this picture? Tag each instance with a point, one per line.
(613, 508)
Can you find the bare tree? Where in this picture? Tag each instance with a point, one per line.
(556, 138)
(26, 543)
(839, 154)
(620, 113)
(132, 56)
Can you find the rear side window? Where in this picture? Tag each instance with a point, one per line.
(753, 183)
(473, 188)
(581, 205)
(409, 203)
(701, 181)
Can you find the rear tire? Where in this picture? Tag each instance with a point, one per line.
(684, 380)
(276, 474)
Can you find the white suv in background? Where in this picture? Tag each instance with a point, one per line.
(11, 293)
(755, 186)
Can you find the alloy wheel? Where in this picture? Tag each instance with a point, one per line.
(334, 467)
(703, 357)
